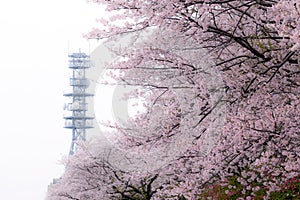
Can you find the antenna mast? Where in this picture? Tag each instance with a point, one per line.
(77, 119)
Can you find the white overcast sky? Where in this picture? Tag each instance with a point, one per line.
(34, 37)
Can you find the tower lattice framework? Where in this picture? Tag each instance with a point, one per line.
(77, 119)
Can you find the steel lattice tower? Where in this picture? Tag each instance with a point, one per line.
(77, 119)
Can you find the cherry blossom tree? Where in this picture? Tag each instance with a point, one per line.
(88, 177)
(258, 38)
(254, 47)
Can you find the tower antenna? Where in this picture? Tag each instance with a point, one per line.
(68, 47)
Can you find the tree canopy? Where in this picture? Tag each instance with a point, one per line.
(223, 71)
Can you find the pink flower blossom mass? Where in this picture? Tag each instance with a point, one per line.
(253, 77)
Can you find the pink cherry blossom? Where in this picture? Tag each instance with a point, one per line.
(254, 48)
